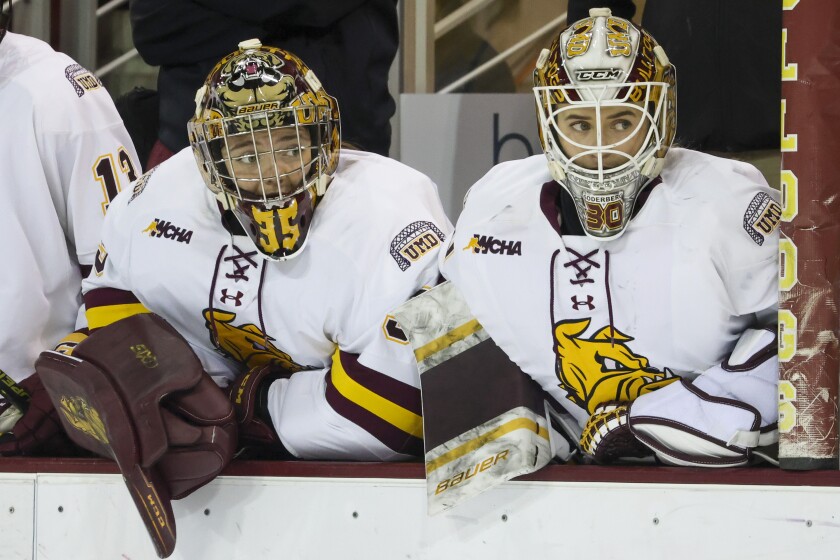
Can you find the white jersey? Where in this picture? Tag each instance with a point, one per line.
(64, 153)
(372, 244)
(593, 321)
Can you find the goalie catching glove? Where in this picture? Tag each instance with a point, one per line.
(607, 436)
(135, 392)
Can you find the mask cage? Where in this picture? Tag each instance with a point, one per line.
(276, 170)
(647, 98)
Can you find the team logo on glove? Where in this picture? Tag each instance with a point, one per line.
(84, 418)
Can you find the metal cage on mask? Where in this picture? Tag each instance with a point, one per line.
(284, 150)
(597, 70)
(287, 152)
(646, 100)
(605, 177)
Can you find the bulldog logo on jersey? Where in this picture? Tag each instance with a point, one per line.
(84, 418)
(247, 344)
(602, 368)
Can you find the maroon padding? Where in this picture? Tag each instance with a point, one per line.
(151, 360)
(447, 414)
(92, 401)
(746, 476)
(134, 391)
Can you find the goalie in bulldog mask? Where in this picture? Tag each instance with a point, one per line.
(639, 279)
(267, 258)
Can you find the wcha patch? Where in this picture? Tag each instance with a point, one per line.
(414, 242)
(81, 79)
(484, 244)
(167, 230)
(762, 217)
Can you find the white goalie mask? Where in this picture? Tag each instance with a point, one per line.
(606, 102)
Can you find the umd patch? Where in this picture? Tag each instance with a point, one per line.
(414, 242)
(762, 217)
(81, 79)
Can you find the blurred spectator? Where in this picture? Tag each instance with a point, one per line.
(462, 50)
(349, 44)
(727, 56)
(139, 111)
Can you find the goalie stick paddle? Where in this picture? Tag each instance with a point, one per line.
(13, 392)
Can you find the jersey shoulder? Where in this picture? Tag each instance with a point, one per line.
(379, 182)
(382, 212)
(174, 188)
(508, 192)
(65, 96)
(729, 199)
(372, 194)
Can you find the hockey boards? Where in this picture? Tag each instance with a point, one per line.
(484, 420)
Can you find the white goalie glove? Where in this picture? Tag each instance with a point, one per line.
(715, 421)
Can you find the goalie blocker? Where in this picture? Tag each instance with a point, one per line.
(136, 393)
(473, 439)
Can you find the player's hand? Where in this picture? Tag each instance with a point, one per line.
(24, 433)
(249, 395)
(607, 436)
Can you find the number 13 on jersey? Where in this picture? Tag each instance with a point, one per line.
(107, 170)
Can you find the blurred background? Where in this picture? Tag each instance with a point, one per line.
(459, 35)
(451, 50)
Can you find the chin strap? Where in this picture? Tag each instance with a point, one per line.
(224, 200)
(321, 184)
(653, 167)
(556, 170)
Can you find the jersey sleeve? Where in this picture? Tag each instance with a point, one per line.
(748, 254)
(107, 290)
(366, 405)
(88, 158)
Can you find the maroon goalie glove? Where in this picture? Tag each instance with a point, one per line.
(607, 436)
(135, 392)
(34, 430)
(249, 397)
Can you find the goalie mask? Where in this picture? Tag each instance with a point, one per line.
(606, 102)
(266, 138)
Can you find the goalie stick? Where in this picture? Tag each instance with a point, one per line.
(13, 392)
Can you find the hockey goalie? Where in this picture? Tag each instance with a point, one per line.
(633, 281)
